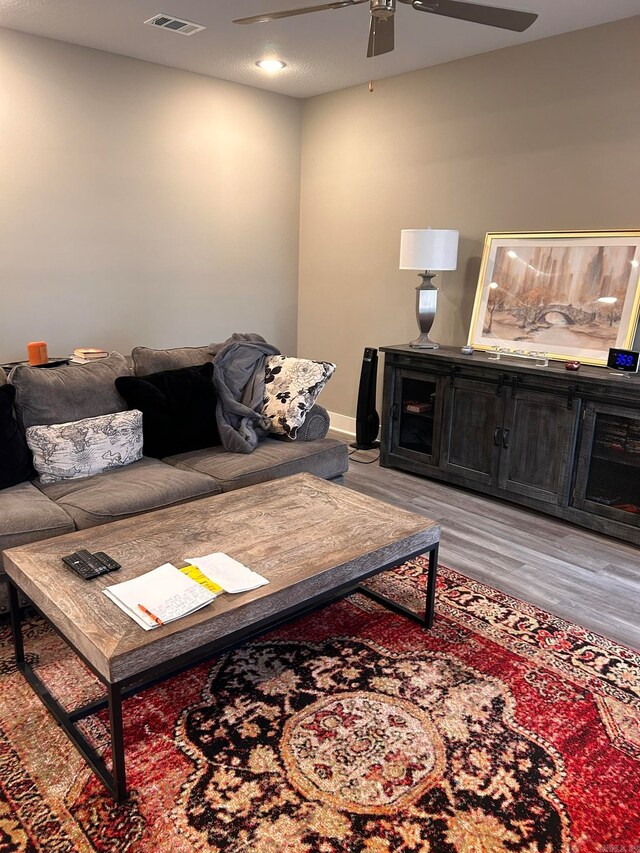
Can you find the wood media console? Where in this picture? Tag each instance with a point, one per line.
(566, 443)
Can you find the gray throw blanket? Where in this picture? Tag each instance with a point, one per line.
(238, 376)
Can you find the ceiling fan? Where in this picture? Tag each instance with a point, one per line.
(381, 28)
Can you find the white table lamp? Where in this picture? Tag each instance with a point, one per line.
(431, 250)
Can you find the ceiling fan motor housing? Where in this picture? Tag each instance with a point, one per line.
(382, 9)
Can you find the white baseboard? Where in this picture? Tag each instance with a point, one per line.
(343, 423)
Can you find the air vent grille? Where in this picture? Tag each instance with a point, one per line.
(177, 25)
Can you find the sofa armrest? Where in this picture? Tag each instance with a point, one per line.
(315, 426)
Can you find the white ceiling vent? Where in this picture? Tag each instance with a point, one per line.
(178, 25)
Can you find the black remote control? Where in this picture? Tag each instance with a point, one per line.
(79, 565)
(108, 561)
(93, 561)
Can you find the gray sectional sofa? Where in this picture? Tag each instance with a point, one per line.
(32, 511)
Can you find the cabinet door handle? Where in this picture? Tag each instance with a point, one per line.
(500, 384)
(505, 438)
(496, 436)
(514, 386)
(570, 396)
(394, 411)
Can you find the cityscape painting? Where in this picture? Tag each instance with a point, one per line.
(568, 295)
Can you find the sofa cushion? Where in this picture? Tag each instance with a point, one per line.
(178, 408)
(26, 515)
(291, 387)
(140, 487)
(58, 395)
(15, 458)
(271, 459)
(86, 447)
(147, 360)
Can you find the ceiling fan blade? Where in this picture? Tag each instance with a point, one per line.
(289, 13)
(492, 16)
(381, 36)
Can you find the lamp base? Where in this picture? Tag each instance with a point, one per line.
(424, 342)
(426, 303)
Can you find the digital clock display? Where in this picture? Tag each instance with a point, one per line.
(623, 359)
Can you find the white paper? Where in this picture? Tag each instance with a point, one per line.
(136, 615)
(228, 573)
(166, 592)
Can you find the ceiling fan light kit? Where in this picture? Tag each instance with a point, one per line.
(382, 14)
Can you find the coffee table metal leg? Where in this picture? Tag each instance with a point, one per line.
(115, 781)
(119, 790)
(430, 602)
(425, 619)
(16, 625)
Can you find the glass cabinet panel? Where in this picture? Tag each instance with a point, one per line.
(412, 419)
(417, 406)
(614, 467)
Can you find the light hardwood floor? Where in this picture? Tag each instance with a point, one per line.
(582, 576)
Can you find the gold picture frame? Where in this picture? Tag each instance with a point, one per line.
(570, 295)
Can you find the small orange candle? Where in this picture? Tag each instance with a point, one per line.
(38, 353)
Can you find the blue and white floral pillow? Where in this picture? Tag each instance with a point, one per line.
(292, 386)
(86, 447)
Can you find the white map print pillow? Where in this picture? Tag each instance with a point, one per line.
(291, 388)
(89, 446)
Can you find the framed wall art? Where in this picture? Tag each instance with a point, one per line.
(570, 295)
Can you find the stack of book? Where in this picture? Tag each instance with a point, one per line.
(417, 406)
(83, 355)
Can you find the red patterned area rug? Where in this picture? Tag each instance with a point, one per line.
(503, 729)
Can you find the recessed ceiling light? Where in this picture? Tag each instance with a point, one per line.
(271, 64)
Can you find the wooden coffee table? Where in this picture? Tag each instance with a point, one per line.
(314, 541)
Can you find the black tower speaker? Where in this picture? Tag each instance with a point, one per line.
(367, 420)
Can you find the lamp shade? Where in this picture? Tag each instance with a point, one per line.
(428, 249)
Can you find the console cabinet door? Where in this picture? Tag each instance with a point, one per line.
(608, 475)
(472, 430)
(416, 414)
(538, 443)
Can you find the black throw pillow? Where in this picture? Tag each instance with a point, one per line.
(16, 464)
(178, 409)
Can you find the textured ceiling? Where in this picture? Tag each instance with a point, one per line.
(324, 51)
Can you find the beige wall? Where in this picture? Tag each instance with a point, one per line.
(140, 204)
(542, 136)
